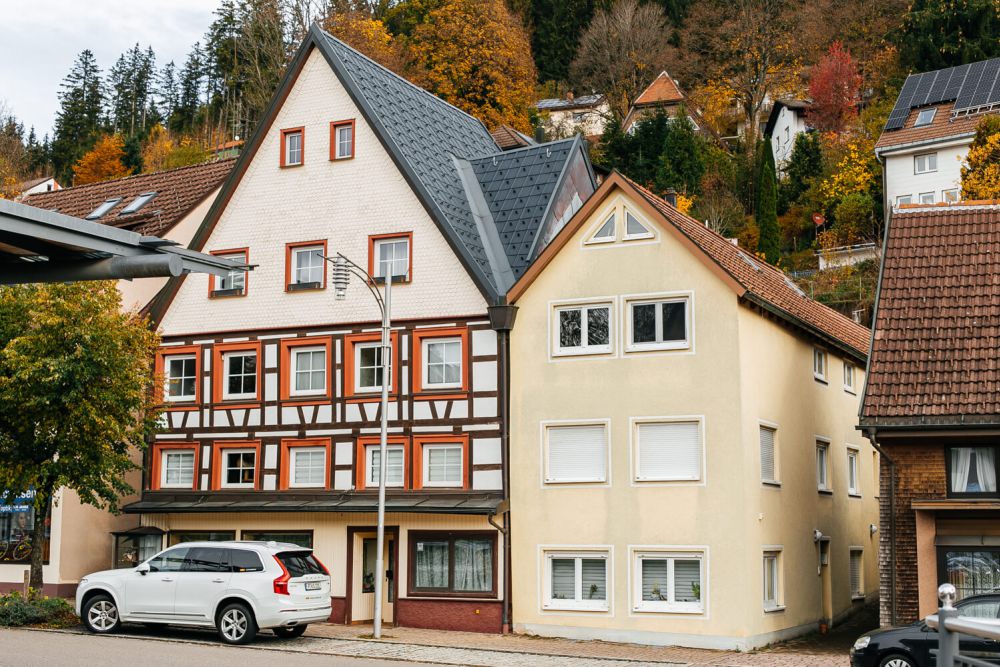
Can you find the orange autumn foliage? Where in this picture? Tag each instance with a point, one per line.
(369, 36)
(102, 163)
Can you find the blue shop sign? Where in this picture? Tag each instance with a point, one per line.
(22, 503)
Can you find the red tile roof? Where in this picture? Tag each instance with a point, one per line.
(937, 320)
(508, 138)
(941, 127)
(177, 192)
(663, 90)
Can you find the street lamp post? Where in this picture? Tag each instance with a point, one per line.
(342, 270)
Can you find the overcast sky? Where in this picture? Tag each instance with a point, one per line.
(40, 39)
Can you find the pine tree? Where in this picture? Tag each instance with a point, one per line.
(944, 33)
(767, 209)
(556, 29)
(167, 90)
(681, 163)
(79, 119)
(189, 92)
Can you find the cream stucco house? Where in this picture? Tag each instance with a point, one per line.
(688, 472)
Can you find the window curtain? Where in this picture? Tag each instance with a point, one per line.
(473, 565)
(432, 565)
(986, 469)
(960, 460)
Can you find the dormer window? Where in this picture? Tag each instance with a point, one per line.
(292, 147)
(138, 203)
(101, 210)
(925, 117)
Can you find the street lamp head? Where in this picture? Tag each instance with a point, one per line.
(341, 277)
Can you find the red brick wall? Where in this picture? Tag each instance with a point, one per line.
(470, 616)
(339, 613)
(920, 475)
(51, 590)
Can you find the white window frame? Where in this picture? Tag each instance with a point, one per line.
(337, 154)
(223, 474)
(772, 568)
(226, 282)
(358, 388)
(921, 114)
(670, 554)
(287, 147)
(577, 604)
(659, 344)
(371, 451)
(859, 593)
(583, 349)
(548, 481)
(294, 371)
(925, 158)
(636, 422)
(425, 362)
(849, 377)
(167, 377)
(777, 469)
(164, 455)
(926, 198)
(612, 217)
(954, 193)
(296, 269)
(823, 482)
(377, 263)
(626, 211)
(902, 200)
(225, 375)
(426, 461)
(854, 469)
(293, 454)
(820, 361)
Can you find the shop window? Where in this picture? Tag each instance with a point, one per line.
(453, 564)
(134, 547)
(971, 570)
(17, 526)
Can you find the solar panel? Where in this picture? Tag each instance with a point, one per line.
(968, 90)
(955, 82)
(902, 108)
(985, 87)
(936, 93)
(970, 86)
(923, 89)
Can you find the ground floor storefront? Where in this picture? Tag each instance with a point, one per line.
(442, 571)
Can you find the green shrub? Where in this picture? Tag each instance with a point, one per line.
(16, 610)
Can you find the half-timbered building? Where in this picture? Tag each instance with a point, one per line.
(271, 386)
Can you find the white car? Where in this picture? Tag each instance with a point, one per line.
(236, 587)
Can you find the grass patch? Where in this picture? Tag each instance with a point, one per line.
(36, 610)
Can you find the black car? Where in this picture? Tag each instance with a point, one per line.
(911, 645)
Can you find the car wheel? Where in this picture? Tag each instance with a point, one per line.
(236, 624)
(292, 632)
(897, 660)
(100, 615)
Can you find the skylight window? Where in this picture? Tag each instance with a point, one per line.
(103, 208)
(138, 203)
(925, 117)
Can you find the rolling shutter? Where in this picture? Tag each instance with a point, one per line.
(577, 453)
(767, 468)
(668, 451)
(856, 573)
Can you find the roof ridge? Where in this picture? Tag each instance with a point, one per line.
(547, 144)
(402, 78)
(133, 177)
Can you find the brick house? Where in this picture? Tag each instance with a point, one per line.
(931, 406)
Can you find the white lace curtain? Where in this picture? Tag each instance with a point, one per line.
(473, 565)
(966, 460)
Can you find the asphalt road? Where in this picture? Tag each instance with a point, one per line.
(28, 648)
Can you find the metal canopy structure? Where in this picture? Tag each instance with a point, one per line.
(44, 246)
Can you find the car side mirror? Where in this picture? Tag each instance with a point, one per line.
(143, 569)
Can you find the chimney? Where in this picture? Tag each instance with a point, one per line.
(569, 95)
(671, 196)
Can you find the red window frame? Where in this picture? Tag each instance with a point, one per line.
(349, 344)
(219, 447)
(159, 372)
(289, 269)
(286, 369)
(383, 237)
(361, 460)
(219, 375)
(301, 130)
(212, 278)
(154, 465)
(417, 371)
(334, 125)
(285, 476)
(417, 451)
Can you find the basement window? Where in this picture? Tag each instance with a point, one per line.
(138, 203)
(101, 210)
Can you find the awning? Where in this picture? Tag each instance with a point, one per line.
(139, 531)
(424, 504)
(44, 246)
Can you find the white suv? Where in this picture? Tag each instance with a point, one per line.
(236, 587)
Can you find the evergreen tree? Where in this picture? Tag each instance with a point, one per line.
(167, 90)
(804, 165)
(681, 163)
(189, 92)
(767, 210)
(556, 28)
(944, 33)
(130, 88)
(79, 119)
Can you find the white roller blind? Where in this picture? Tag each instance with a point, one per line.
(577, 453)
(668, 451)
(767, 469)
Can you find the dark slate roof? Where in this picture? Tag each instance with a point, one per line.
(518, 186)
(562, 103)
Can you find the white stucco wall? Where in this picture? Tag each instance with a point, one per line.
(901, 179)
(790, 124)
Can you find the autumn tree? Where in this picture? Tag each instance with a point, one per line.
(475, 54)
(981, 171)
(79, 119)
(369, 36)
(102, 163)
(835, 89)
(621, 51)
(75, 399)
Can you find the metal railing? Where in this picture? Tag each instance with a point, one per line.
(949, 624)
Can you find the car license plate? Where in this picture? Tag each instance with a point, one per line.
(313, 586)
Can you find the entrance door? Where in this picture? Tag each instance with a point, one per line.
(363, 578)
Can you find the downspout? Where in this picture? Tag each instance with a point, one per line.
(892, 523)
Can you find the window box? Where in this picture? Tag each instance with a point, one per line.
(236, 465)
(576, 453)
(234, 284)
(668, 581)
(342, 139)
(180, 368)
(971, 471)
(440, 360)
(576, 580)
(305, 372)
(174, 466)
(582, 329)
(391, 252)
(236, 372)
(367, 463)
(658, 324)
(305, 268)
(293, 142)
(441, 461)
(667, 449)
(305, 463)
(362, 365)
(452, 564)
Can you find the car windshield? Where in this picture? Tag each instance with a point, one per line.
(300, 563)
(983, 608)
